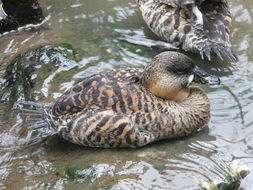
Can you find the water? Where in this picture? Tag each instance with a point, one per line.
(30, 161)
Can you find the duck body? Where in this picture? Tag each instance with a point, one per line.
(200, 26)
(116, 113)
(115, 109)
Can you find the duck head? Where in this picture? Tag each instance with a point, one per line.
(170, 74)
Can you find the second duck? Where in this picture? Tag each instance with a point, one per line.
(201, 26)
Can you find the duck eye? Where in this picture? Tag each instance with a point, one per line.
(182, 71)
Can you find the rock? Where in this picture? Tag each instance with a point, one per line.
(20, 13)
(32, 67)
(238, 171)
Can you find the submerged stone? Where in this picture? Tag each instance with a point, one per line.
(32, 67)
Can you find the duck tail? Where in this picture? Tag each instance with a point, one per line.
(38, 114)
(197, 41)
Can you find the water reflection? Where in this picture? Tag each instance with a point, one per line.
(92, 28)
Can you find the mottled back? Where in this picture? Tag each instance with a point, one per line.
(174, 21)
(217, 21)
(179, 3)
(116, 90)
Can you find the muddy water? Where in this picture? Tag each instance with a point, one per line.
(30, 161)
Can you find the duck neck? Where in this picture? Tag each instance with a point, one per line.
(174, 94)
(185, 117)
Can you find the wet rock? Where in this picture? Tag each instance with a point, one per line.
(232, 181)
(20, 13)
(33, 67)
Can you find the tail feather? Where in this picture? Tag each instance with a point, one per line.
(217, 49)
(38, 114)
(30, 103)
(36, 126)
(217, 52)
(22, 112)
(197, 41)
(33, 119)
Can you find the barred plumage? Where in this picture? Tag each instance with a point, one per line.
(201, 26)
(120, 108)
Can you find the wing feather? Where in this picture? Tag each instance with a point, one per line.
(102, 90)
(176, 3)
(217, 21)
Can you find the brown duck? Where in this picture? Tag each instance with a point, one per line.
(201, 26)
(130, 107)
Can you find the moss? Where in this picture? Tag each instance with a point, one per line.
(232, 183)
(70, 51)
(73, 172)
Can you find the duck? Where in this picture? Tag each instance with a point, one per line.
(17, 13)
(129, 107)
(198, 26)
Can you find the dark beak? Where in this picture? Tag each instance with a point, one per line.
(3, 15)
(203, 77)
(188, 2)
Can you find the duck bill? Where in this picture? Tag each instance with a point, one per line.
(200, 76)
(3, 15)
(188, 2)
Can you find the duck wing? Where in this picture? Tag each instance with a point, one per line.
(217, 26)
(107, 91)
(176, 3)
(111, 92)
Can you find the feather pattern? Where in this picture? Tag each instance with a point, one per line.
(113, 110)
(129, 107)
(176, 22)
